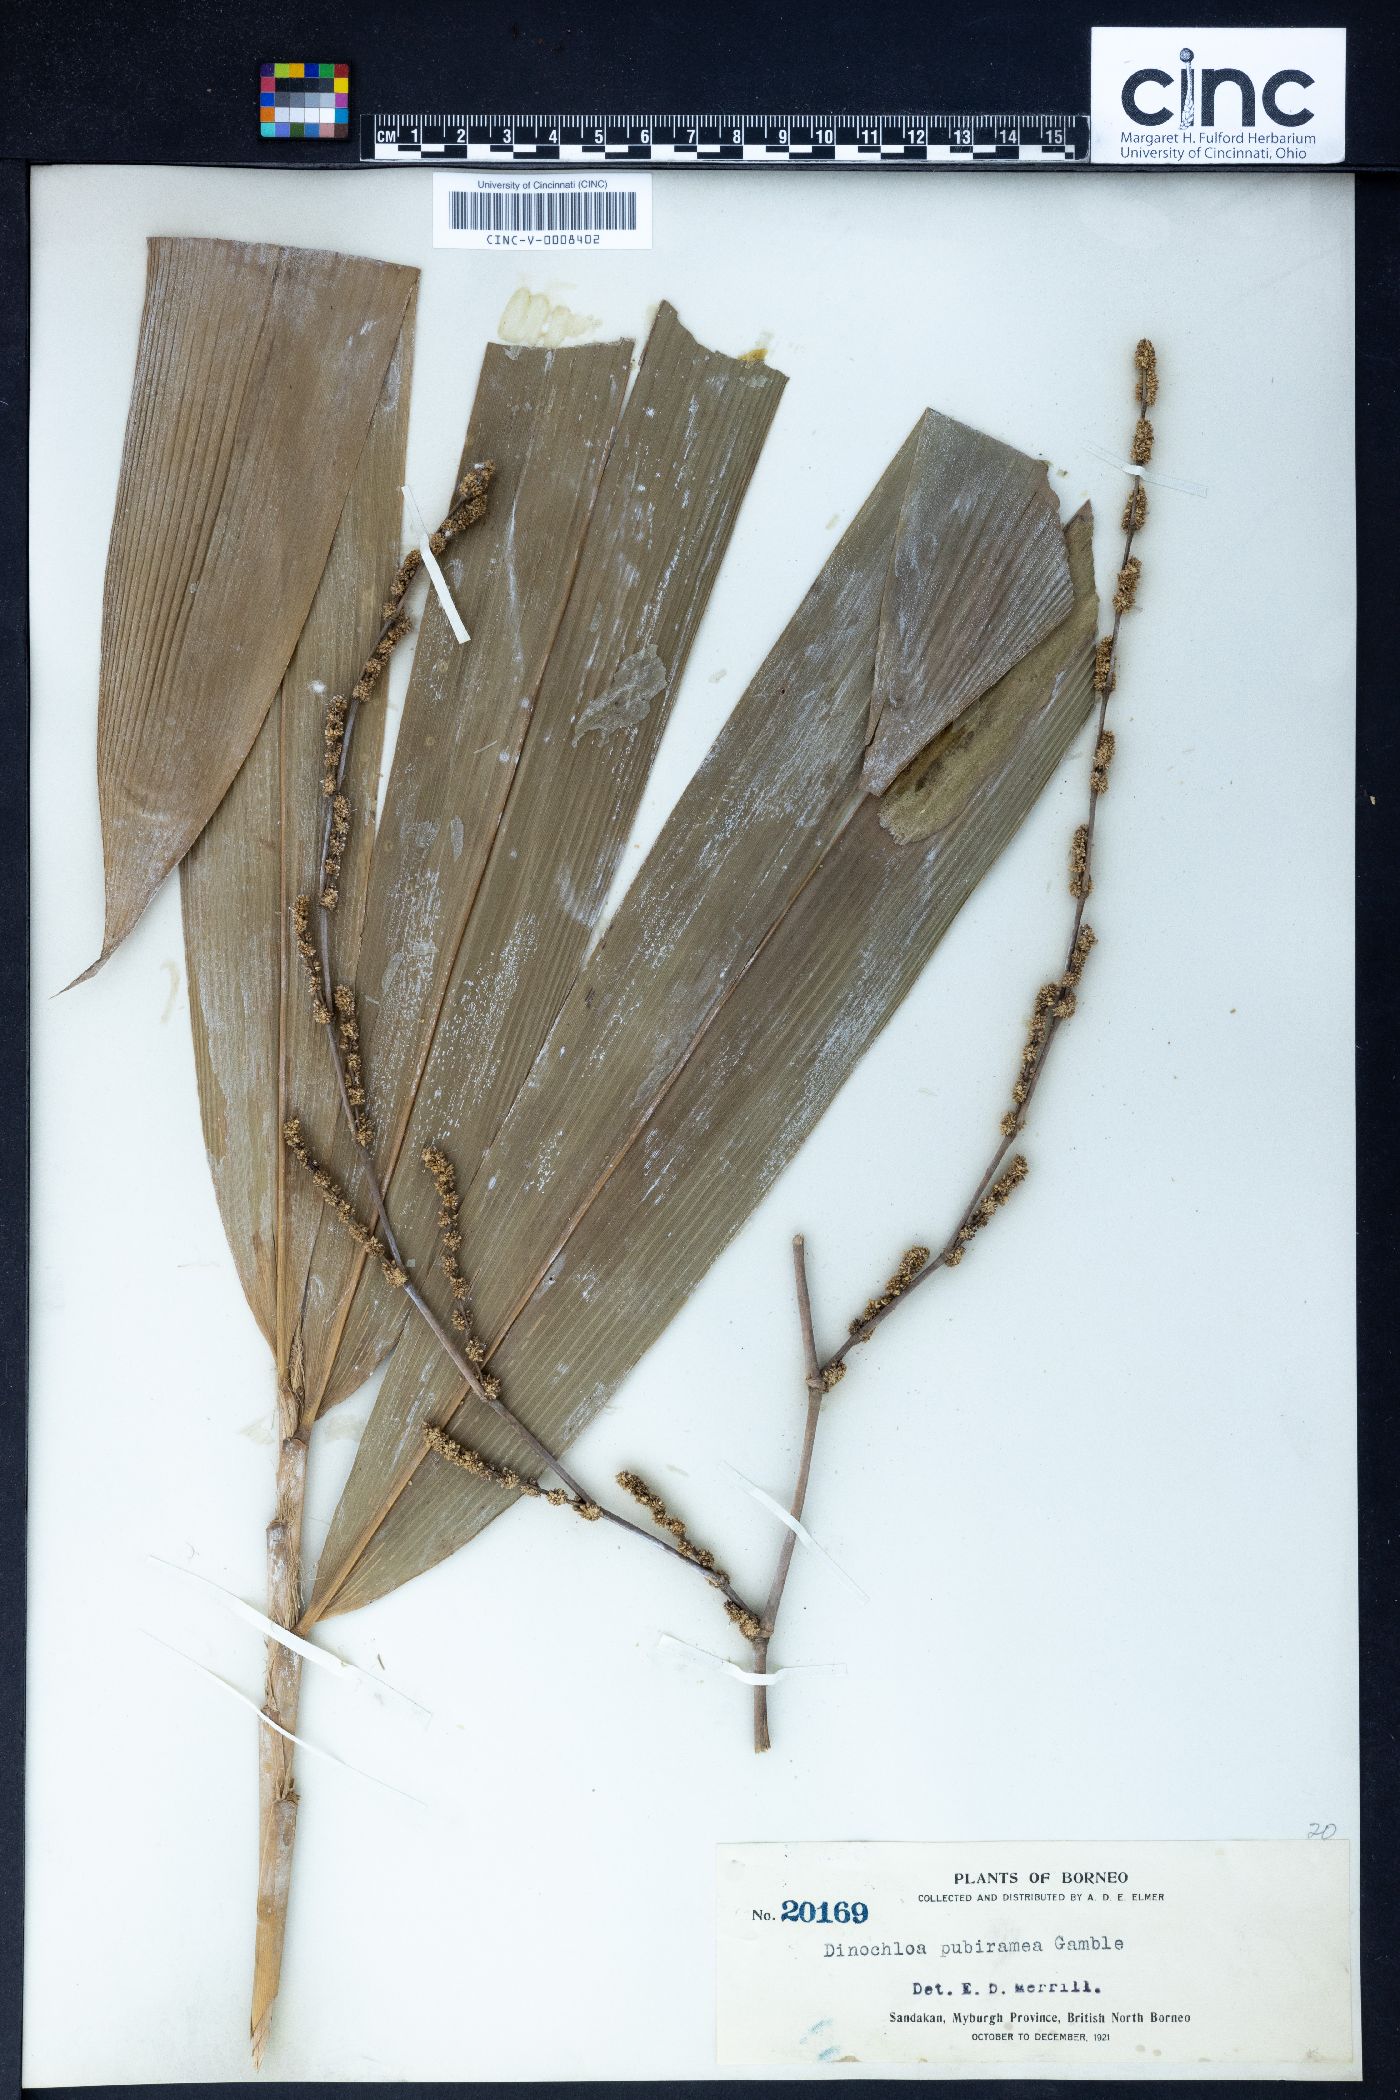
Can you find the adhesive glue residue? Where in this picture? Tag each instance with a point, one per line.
(529, 317)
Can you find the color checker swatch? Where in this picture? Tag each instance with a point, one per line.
(304, 100)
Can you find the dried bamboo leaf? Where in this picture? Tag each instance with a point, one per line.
(685, 451)
(547, 418)
(257, 853)
(665, 1100)
(257, 373)
(252, 1028)
(978, 577)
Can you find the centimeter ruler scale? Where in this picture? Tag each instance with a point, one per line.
(1045, 138)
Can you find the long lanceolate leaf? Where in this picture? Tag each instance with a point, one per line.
(552, 756)
(547, 419)
(781, 917)
(258, 853)
(257, 374)
(252, 1028)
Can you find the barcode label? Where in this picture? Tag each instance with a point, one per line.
(528, 210)
(615, 211)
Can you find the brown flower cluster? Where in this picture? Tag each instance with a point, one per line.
(470, 508)
(1103, 757)
(372, 670)
(444, 1176)
(337, 714)
(895, 1286)
(403, 576)
(336, 840)
(665, 1520)
(748, 1622)
(1054, 1002)
(505, 1477)
(301, 928)
(1105, 675)
(738, 1614)
(1145, 361)
(335, 1198)
(998, 1194)
(1125, 592)
(347, 1027)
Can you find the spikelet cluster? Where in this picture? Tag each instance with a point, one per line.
(470, 506)
(1125, 591)
(666, 1520)
(301, 928)
(335, 1199)
(1103, 758)
(1145, 364)
(372, 670)
(1080, 880)
(1135, 509)
(505, 1477)
(337, 714)
(1054, 1002)
(403, 576)
(336, 839)
(999, 1193)
(910, 1264)
(444, 1178)
(347, 1028)
(1105, 674)
(748, 1622)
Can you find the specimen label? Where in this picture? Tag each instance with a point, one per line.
(1033, 1958)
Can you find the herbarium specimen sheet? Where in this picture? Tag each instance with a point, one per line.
(1077, 1550)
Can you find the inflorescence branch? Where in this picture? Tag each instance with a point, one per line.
(1054, 1004)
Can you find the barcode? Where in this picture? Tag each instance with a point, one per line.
(589, 211)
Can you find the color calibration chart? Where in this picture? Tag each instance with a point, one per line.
(301, 99)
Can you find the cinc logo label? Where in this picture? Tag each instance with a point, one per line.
(1202, 97)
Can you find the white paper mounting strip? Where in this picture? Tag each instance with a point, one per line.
(284, 1636)
(732, 1669)
(1147, 474)
(799, 1529)
(430, 563)
(276, 1726)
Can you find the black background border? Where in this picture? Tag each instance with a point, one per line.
(176, 83)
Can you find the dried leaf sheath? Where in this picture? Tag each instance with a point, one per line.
(685, 451)
(257, 372)
(681, 1092)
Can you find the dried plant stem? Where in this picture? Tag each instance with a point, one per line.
(277, 1795)
(816, 1392)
